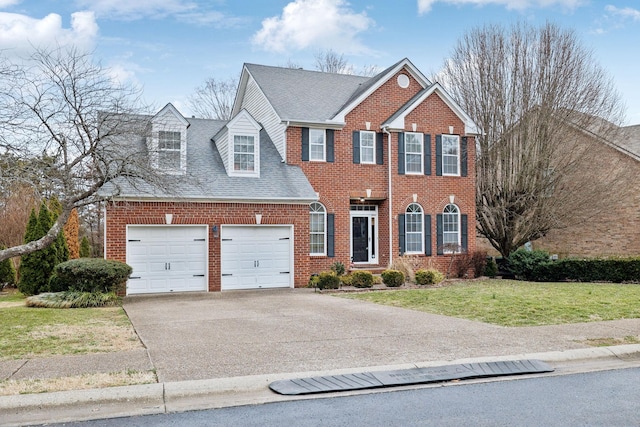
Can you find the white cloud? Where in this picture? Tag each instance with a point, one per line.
(20, 33)
(625, 13)
(326, 24)
(424, 6)
(6, 3)
(137, 9)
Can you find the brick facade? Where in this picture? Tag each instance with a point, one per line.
(338, 182)
(120, 214)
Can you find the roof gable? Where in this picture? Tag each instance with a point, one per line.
(170, 109)
(396, 121)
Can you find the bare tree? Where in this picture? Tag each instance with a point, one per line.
(214, 99)
(542, 102)
(328, 61)
(72, 127)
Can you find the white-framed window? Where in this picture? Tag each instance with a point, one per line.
(414, 229)
(169, 153)
(367, 146)
(317, 145)
(451, 229)
(450, 155)
(318, 228)
(244, 153)
(413, 147)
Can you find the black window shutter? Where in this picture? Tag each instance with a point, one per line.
(305, 144)
(427, 235)
(439, 155)
(463, 156)
(400, 153)
(330, 235)
(401, 235)
(379, 149)
(330, 144)
(439, 236)
(464, 237)
(427, 154)
(356, 146)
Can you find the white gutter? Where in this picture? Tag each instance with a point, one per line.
(390, 196)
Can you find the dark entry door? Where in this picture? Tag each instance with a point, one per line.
(360, 238)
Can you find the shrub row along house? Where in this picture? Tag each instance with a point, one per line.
(313, 168)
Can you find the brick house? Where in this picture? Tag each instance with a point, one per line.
(313, 168)
(614, 231)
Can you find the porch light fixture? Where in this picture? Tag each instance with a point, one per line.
(215, 231)
(258, 219)
(168, 218)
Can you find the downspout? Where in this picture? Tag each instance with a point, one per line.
(390, 194)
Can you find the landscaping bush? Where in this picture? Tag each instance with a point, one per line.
(407, 264)
(362, 279)
(393, 278)
(491, 268)
(338, 268)
(7, 273)
(428, 277)
(615, 270)
(523, 262)
(92, 275)
(328, 280)
(74, 299)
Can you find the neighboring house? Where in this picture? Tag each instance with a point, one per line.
(313, 168)
(614, 231)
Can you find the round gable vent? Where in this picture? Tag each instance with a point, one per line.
(403, 81)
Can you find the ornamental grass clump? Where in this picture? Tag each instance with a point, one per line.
(74, 299)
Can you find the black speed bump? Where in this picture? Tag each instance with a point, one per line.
(367, 380)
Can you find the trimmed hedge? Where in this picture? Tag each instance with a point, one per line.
(428, 277)
(393, 278)
(524, 262)
(90, 275)
(614, 270)
(361, 279)
(327, 280)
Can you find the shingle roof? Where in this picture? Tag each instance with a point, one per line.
(629, 139)
(298, 94)
(206, 178)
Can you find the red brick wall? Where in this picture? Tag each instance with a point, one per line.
(121, 214)
(335, 182)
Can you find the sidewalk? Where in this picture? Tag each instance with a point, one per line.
(223, 349)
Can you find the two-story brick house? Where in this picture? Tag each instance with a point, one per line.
(313, 168)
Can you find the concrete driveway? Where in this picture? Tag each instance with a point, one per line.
(194, 336)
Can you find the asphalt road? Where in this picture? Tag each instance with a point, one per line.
(605, 398)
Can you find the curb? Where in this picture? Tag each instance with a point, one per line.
(149, 399)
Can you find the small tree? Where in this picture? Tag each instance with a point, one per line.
(71, 230)
(59, 246)
(85, 248)
(30, 273)
(7, 273)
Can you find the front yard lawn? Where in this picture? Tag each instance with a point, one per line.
(41, 332)
(517, 303)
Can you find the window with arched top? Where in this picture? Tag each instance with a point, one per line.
(414, 229)
(451, 229)
(318, 229)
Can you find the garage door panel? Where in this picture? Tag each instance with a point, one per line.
(167, 258)
(256, 257)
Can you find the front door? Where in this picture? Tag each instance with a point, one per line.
(360, 238)
(364, 234)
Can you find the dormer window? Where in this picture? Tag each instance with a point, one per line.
(169, 150)
(244, 153)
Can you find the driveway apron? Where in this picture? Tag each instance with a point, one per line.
(195, 336)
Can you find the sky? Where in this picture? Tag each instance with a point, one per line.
(170, 47)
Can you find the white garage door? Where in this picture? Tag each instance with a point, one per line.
(256, 257)
(170, 258)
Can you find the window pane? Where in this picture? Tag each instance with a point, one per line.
(316, 144)
(413, 228)
(168, 140)
(316, 152)
(367, 147)
(450, 154)
(413, 163)
(244, 155)
(317, 220)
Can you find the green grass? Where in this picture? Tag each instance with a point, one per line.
(39, 332)
(516, 303)
(11, 297)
